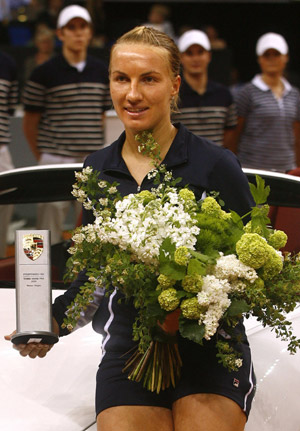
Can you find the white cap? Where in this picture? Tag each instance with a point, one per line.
(193, 37)
(71, 12)
(271, 41)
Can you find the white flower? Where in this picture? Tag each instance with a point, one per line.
(90, 233)
(239, 363)
(230, 268)
(112, 190)
(168, 176)
(103, 201)
(72, 250)
(142, 229)
(152, 174)
(214, 298)
(102, 184)
(99, 282)
(79, 194)
(88, 205)
(237, 286)
(88, 170)
(78, 238)
(84, 175)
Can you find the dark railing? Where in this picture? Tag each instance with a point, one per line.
(54, 183)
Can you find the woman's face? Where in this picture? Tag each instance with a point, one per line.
(272, 62)
(141, 86)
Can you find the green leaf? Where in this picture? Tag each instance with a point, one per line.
(237, 307)
(202, 257)
(183, 294)
(259, 192)
(196, 267)
(155, 311)
(192, 330)
(261, 222)
(236, 218)
(173, 270)
(176, 181)
(166, 251)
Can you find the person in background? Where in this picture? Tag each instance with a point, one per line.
(100, 23)
(144, 83)
(8, 102)
(4, 10)
(44, 42)
(49, 14)
(215, 41)
(64, 102)
(158, 19)
(268, 132)
(206, 107)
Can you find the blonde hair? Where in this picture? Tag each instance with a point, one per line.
(154, 38)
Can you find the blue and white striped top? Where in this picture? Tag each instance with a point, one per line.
(267, 141)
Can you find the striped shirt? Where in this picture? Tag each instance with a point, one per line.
(8, 95)
(209, 114)
(71, 103)
(267, 141)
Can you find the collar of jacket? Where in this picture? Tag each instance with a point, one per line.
(177, 154)
(67, 65)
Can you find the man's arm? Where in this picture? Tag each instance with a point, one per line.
(229, 136)
(31, 122)
(231, 141)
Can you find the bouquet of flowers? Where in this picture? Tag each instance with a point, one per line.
(188, 266)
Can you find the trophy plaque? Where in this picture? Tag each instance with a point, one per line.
(33, 288)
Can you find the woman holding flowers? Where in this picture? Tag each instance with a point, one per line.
(144, 84)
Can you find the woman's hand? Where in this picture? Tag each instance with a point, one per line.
(34, 350)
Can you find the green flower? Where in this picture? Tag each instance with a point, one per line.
(146, 196)
(273, 265)
(190, 308)
(211, 207)
(187, 195)
(192, 283)
(168, 299)
(252, 250)
(181, 256)
(248, 228)
(278, 239)
(259, 283)
(165, 282)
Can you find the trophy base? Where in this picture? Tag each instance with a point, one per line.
(34, 337)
